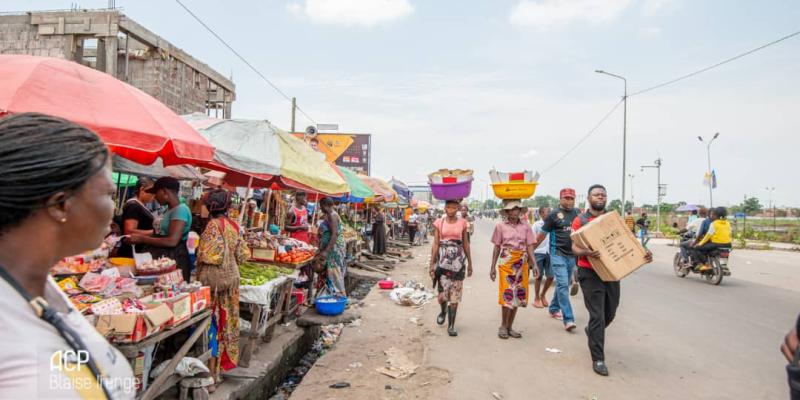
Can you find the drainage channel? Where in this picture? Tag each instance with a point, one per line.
(329, 334)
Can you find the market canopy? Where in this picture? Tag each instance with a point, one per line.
(401, 189)
(383, 192)
(359, 191)
(259, 148)
(132, 123)
(157, 170)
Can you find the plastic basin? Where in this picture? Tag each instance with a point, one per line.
(330, 305)
(514, 190)
(386, 284)
(451, 191)
(122, 262)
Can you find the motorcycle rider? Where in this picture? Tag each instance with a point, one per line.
(692, 230)
(718, 235)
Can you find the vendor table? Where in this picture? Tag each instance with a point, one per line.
(168, 378)
(259, 299)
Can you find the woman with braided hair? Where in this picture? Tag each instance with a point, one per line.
(56, 200)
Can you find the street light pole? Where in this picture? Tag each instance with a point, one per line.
(657, 166)
(624, 134)
(710, 176)
(632, 191)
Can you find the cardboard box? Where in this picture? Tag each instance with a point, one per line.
(180, 306)
(262, 254)
(201, 299)
(132, 328)
(620, 251)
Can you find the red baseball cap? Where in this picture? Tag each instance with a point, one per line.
(568, 193)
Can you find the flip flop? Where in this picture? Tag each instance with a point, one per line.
(502, 333)
(514, 334)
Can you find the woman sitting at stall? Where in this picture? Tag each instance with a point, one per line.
(136, 216)
(330, 261)
(513, 251)
(56, 200)
(451, 261)
(169, 238)
(220, 252)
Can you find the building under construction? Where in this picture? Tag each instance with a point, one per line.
(110, 41)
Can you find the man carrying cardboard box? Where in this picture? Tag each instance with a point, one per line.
(601, 298)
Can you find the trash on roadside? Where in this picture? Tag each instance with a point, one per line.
(553, 350)
(355, 323)
(356, 365)
(398, 365)
(415, 321)
(497, 396)
(405, 296)
(339, 385)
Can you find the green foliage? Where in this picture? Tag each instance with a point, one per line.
(749, 206)
(614, 205)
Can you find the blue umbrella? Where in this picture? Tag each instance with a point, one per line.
(401, 189)
(687, 207)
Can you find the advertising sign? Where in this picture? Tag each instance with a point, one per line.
(350, 150)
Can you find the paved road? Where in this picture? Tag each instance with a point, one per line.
(673, 338)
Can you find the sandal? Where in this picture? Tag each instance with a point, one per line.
(502, 333)
(514, 334)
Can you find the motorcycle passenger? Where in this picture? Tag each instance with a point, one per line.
(692, 230)
(718, 235)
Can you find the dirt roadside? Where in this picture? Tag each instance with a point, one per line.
(360, 350)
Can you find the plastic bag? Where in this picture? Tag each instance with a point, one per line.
(188, 366)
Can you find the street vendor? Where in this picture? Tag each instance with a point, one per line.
(56, 200)
(169, 238)
(378, 231)
(332, 252)
(513, 252)
(136, 215)
(297, 218)
(451, 262)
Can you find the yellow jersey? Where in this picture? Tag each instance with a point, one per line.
(719, 232)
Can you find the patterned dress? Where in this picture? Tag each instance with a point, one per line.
(224, 329)
(331, 279)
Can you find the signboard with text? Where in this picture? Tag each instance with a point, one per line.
(350, 150)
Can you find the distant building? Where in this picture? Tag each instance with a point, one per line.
(109, 41)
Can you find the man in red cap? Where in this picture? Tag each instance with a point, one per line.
(558, 225)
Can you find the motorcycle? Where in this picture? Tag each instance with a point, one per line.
(717, 259)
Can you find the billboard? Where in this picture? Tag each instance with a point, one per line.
(350, 150)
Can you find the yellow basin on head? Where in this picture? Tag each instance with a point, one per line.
(514, 190)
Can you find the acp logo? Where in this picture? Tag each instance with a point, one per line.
(68, 360)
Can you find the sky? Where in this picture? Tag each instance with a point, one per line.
(510, 84)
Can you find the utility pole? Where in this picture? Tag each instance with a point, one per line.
(657, 166)
(624, 135)
(294, 108)
(772, 206)
(710, 176)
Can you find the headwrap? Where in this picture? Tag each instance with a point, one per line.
(218, 200)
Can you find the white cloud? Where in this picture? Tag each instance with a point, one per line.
(554, 13)
(530, 153)
(650, 32)
(351, 12)
(652, 7)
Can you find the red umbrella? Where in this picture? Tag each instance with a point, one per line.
(132, 123)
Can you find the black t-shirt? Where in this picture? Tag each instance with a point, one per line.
(559, 225)
(134, 210)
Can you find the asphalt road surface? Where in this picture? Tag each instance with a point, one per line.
(674, 338)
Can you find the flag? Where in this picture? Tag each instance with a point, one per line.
(713, 179)
(706, 179)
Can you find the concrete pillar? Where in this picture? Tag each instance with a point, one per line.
(110, 55)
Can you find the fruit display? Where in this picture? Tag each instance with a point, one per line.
(258, 274)
(295, 256)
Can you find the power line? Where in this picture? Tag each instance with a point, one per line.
(269, 82)
(700, 71)
(586, 136)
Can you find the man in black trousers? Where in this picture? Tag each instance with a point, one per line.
(601, 298)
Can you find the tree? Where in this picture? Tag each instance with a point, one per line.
(751, 206)
(541, 201)
(614, 205)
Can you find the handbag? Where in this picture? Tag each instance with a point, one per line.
(224, 276)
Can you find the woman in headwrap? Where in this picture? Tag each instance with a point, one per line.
(218, 257)
(513, 253)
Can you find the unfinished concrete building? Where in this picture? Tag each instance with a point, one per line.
(109, 41)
